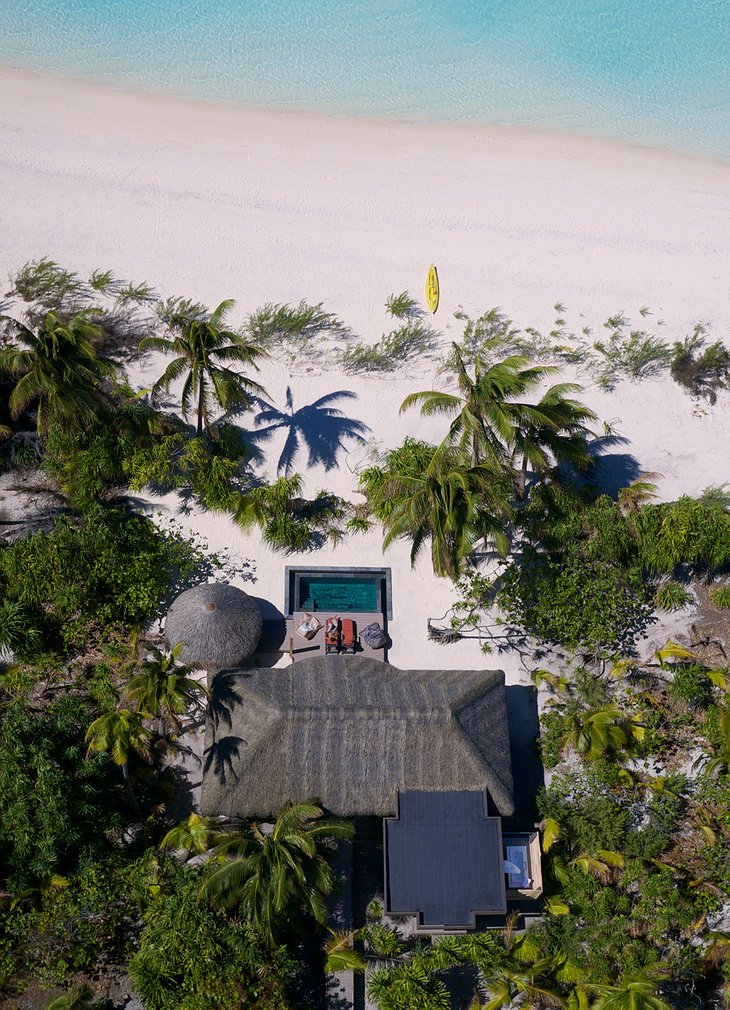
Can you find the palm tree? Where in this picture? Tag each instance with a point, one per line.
(194, 834)
(203, 351)
(520, 973)
(273, 876)
(120, 733)
(637, 493)
(552, 432)
(633, 990)
(59, 369)
(512, 982)
(453, 504)
(340, 954)
(601, 731)
(163, 688)
(487, 415)
(409, 986)
(320, 425)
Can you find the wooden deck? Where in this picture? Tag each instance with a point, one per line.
(302, 648)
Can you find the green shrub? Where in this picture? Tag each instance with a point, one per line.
(140, 294)
(413, 339)
(102, 281)
(73, 927)
(191, 956)
(107, 566)
(177, 311)
(287, 521)
(45, 282)
(551, 736)
(20, 632)
(671, 595)
(720, 597)
(402, 306)
(691, 685)
(55, 803)
(275, 323)
(577, 602)
(701, 368)
(139, 447)
(631, 354)
(411, 459)
(382, 941)
(691, 532)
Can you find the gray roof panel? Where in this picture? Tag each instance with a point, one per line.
(444, 859)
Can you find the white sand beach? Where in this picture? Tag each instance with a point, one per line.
(218, 201)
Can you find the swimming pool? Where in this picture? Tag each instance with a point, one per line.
(338, 590)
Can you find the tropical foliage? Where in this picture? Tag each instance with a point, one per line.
(589, 570)
(99, 881)
(203, 355)
(58, 370)
(276, 876)
(192, 954)
(106, 566)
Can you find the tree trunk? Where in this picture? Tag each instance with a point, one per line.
(200, 406)
(128, 784)
(522, 479)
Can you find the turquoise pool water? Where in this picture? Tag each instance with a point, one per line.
(654, 71)
(338, 594)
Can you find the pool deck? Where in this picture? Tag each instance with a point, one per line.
(302, 648)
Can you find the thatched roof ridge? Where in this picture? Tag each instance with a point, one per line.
(354, 732)
(219, 625)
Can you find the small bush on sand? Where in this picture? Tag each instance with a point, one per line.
(691, 685)
(414, 339)
(175, 312)
(720, 596)
(275, 323)
(628, 354)
(45, 282)
(402, 306)
(701, 368)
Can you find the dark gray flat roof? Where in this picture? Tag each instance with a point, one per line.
(443, 859)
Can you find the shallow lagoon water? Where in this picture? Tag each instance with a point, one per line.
(652, 71)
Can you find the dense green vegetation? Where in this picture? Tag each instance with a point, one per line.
(96, 872)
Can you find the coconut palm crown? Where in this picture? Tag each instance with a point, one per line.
(492, 424)
(484, 408)
(164, 688)
(203, 351)
(452, 504)
(59, 369)
(273, 876)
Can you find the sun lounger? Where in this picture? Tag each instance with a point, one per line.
(348, 636)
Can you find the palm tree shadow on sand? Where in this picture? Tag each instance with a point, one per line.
(320, 427)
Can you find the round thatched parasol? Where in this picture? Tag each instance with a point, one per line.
(219, 625)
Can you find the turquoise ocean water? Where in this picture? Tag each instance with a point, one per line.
(653, 71)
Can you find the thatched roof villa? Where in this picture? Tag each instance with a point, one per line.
(426, 750)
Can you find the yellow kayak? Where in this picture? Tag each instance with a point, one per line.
(432, 289)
